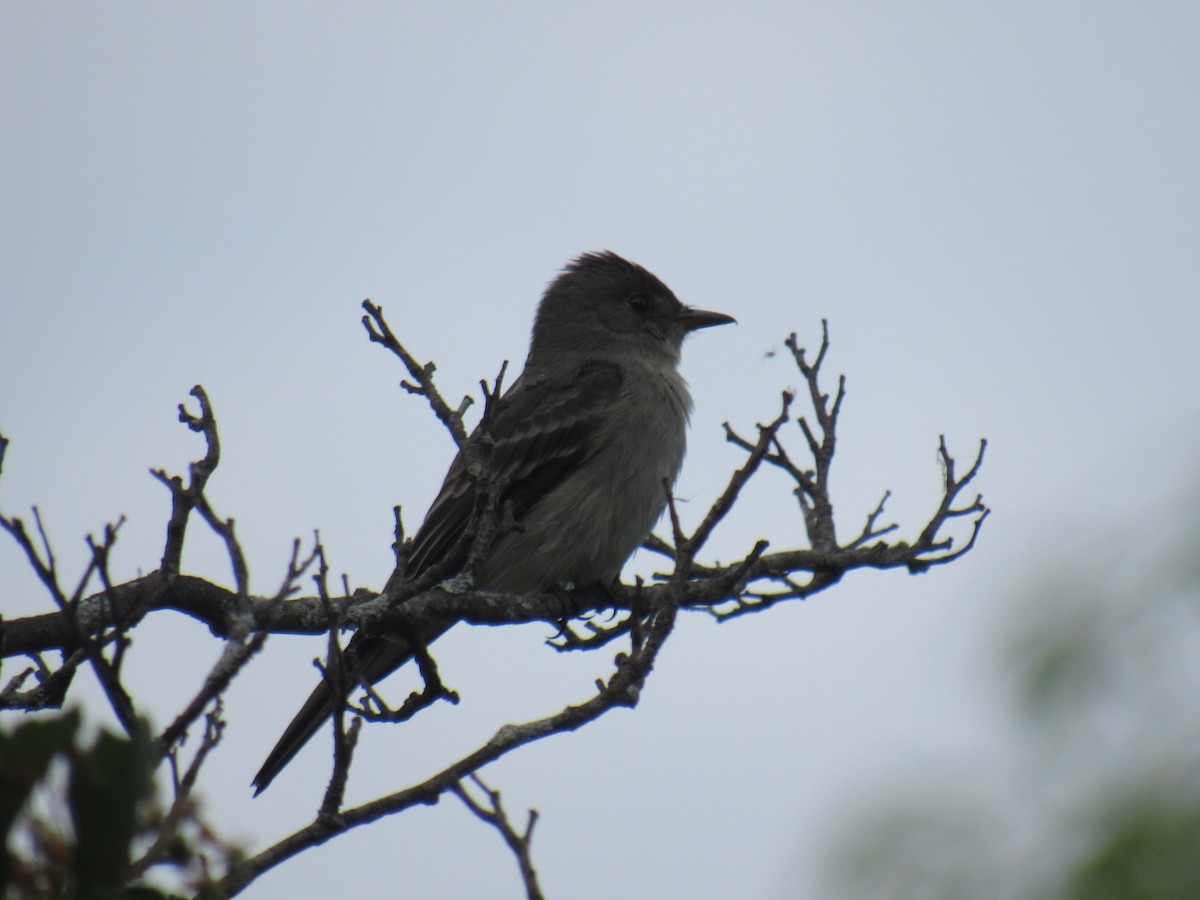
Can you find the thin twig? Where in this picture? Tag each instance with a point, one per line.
(494, 814)
(622, 689)
(380, 333)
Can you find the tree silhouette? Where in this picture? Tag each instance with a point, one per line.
(91, 624)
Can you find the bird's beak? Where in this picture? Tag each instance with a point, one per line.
(693, 319)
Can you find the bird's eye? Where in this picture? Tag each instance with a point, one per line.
(639, 303)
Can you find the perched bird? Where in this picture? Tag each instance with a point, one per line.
(584, 440)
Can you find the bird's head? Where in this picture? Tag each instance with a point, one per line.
(604, 306)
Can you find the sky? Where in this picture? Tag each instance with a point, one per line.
(994, 205)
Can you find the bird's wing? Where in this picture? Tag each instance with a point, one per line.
(542, 429)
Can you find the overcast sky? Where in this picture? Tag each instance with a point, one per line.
(996, 206)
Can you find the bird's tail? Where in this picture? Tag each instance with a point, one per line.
(370, 659)
(312, 715)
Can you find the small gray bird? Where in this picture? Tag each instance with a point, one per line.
(583, 440)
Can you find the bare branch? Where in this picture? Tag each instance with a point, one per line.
(869, 531)
(928, 541)
(181, 807)
(622, 689)
(380, 333)
(239, 650)
(738, 480)
(89, 642)
(85, 627)
(494, 815)
(183, 499)
(344, 740)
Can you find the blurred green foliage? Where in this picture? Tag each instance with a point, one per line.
(1094, 791)
(75, 817)
(1147, 848)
